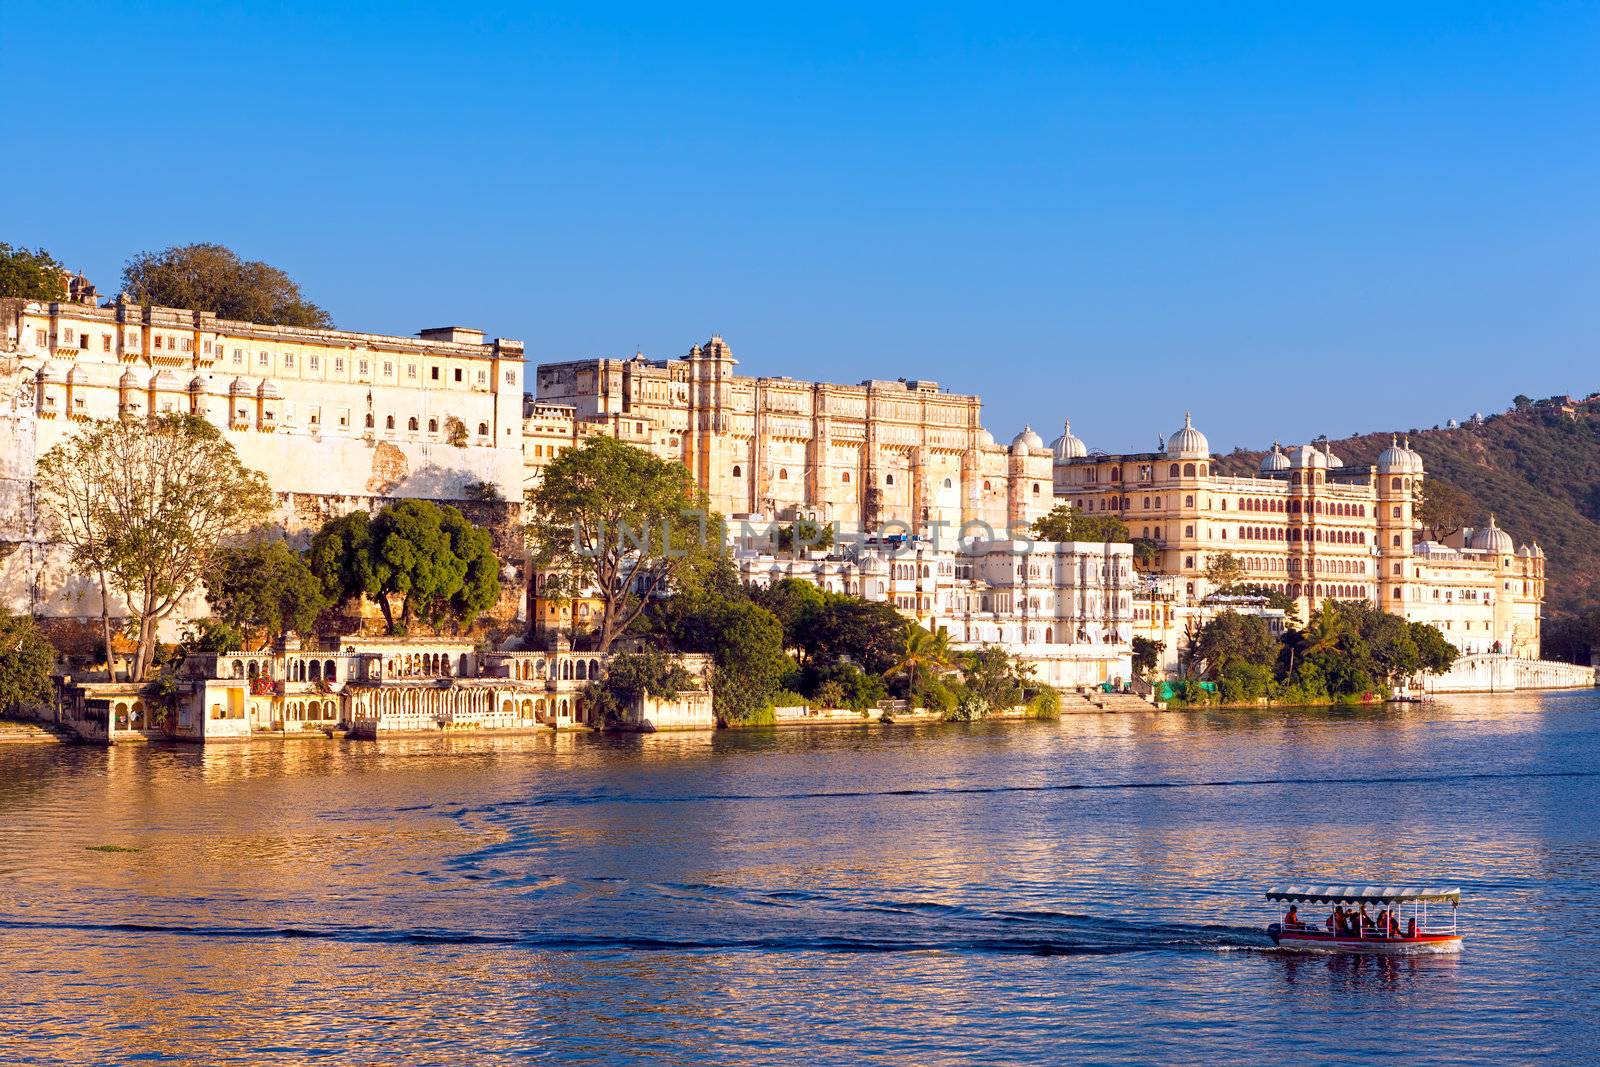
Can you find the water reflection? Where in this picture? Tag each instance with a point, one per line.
(1089, 888)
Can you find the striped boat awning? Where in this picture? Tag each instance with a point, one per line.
(1356, 894)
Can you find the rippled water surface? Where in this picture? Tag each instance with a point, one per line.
(1084, 891)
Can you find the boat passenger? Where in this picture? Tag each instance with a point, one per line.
(1333, 921)
(1365, 920)
(1291, 918)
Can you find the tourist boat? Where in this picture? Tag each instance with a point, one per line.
(1397, 920)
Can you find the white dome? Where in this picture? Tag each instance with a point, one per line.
(198, 384)
(1302, 456)
(1399, 459)
(1327, 452)
(49, 373)
(240, 385)
(129, 380)
(165, 380)
(1027, 439)
(1067, 446)
(1274, 460)
(1188, 443)
(268, 391)
(984, 437)
(1493, 539)
(77, 374)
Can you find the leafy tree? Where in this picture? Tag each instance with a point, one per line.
(1067, 523)
(1435, 654)
(30, 275)
(791, 600)
(1232, 637)
(442, 568)
(212, 636)
(455, 431)
(72, 476)
(994, 677)
(162, 495)
(866, 632)
(341, 558)
(211, 277)
(1224, 571)
(616, 520)
(26, 659)
(1522, 402)
(750, 666)
(804, 534)
(922, 651)
(1241, 682)
(1146, 554)
(652, 673)
(1146, 655)
(1444, 509)
(842, 684)
(267, 587)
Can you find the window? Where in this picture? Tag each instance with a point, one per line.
(1172, 472)
(1035, 488)
(433, 425)
(483, 429)
(458, 374)
(483, 377)
(950, 485)
(845, 477)
(1397, 511)
(783, 475)
(338, 365)
(316, 361)
(344, 417)
(511, 377)
(388, 422)
(262, 359)
(361, 367)
(316, 416)
(42, 339)
(238, 357)
(288, 359)
(369, 420)
(411, 423)
(388, 369)
(411, 371)
(186, 344)
(433, 373)
(888, 479)
(1397, 540)
(160, 339)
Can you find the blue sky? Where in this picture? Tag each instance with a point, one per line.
(1289, 220)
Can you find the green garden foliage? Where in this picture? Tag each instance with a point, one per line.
(30, 274)
(267, 587)
(211, 277)
(1067, 523)
(26, 659)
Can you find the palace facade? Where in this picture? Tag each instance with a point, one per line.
(337, 420)
(861, 455)
(1311, 527)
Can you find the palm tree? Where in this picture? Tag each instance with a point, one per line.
(923, 650)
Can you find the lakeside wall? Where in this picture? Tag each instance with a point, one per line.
(1490, 673)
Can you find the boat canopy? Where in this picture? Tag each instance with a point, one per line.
(1355, 894)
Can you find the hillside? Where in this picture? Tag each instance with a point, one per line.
(1536, 467)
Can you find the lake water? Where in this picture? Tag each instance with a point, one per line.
(1088, 890)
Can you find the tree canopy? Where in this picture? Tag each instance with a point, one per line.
(1067, 523)
(440, 567)
(146, 504)
(30, 274)
(211, 277)
(619, 523)
(25, 662)
(267, 587)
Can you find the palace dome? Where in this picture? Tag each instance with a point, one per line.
(269, 391)
(1327, 451)
(1068, 446)
(1303, 456)
(129, 380)
(240, 385)
(1027, 439)
(1274, 460)
(77, 375)
(165, 380)
(1399, 459)
(1188, 443)
(1493, 539)
(49, 373)
(984, 437)
(198, 384)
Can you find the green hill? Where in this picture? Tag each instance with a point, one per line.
(1536, 468)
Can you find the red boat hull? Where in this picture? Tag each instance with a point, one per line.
(1306, 940)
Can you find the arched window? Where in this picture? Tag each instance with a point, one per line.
(483, 429)
(369, 420)
(845, 477)
(888, 479)
(330, 672)
(433, 425)
(986, 484)
(582, 671)
(388, 422)
(783, 474)
(1035, 488)
(948, 484)
(1394, 483)
(411, 423)
(738, 472)
(1188, 470)
(1172, 471)
(316, 671)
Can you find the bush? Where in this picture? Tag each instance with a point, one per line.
(842, 684)
(788, 698)
(933, 694)
(969, 706)
(1045, 704)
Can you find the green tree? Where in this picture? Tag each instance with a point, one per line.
(1067, 523)
(211, 277)
(1224, 570)
(165, 493)
(750, 666)
(802, 535)
(1435, 654)
(995, 678)
(72, 477)
(1146, 554)
(922, 652)
(31, 275)
(26, 659)
(791, 600)
(634, 675)
(341, 558)
(441, 566)
(1146, 655)
(1232, 637)
(616, 521)
(1443, 508)
(266, 587)
(866, 632)
(212, 636)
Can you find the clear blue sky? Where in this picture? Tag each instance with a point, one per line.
(1289, 221)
